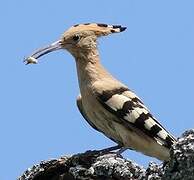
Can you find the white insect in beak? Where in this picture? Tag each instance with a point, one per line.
(30, 60)
(33, 59)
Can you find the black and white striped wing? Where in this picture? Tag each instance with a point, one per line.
(130, 110)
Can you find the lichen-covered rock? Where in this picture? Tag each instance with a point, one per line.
(95, 165)
(91, 165)
(114, 166)
(181, 165)
(46, 170)
(154, 172)
(106, 166)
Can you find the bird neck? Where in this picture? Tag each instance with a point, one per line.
(89, 68)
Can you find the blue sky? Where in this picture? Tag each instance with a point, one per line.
(39, 118)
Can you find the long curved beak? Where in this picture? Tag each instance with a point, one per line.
(32, 59)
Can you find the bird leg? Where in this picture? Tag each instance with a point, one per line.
(121, 150)
(112, 148)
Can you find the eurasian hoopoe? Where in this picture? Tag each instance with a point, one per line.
(107, 104)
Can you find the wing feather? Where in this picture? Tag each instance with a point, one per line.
(130, 109)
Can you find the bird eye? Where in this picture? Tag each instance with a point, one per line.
(76, 38)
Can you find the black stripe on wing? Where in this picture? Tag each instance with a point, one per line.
(140, 117)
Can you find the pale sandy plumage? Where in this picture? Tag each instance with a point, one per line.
(107, 104)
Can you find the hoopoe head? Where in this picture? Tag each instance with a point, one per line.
(78, 38)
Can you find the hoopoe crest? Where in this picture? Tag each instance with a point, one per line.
(108, 105)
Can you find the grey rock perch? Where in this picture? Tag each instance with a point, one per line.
(181, 165)
(94, 165)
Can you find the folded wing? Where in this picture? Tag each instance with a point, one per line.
(130, 110)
